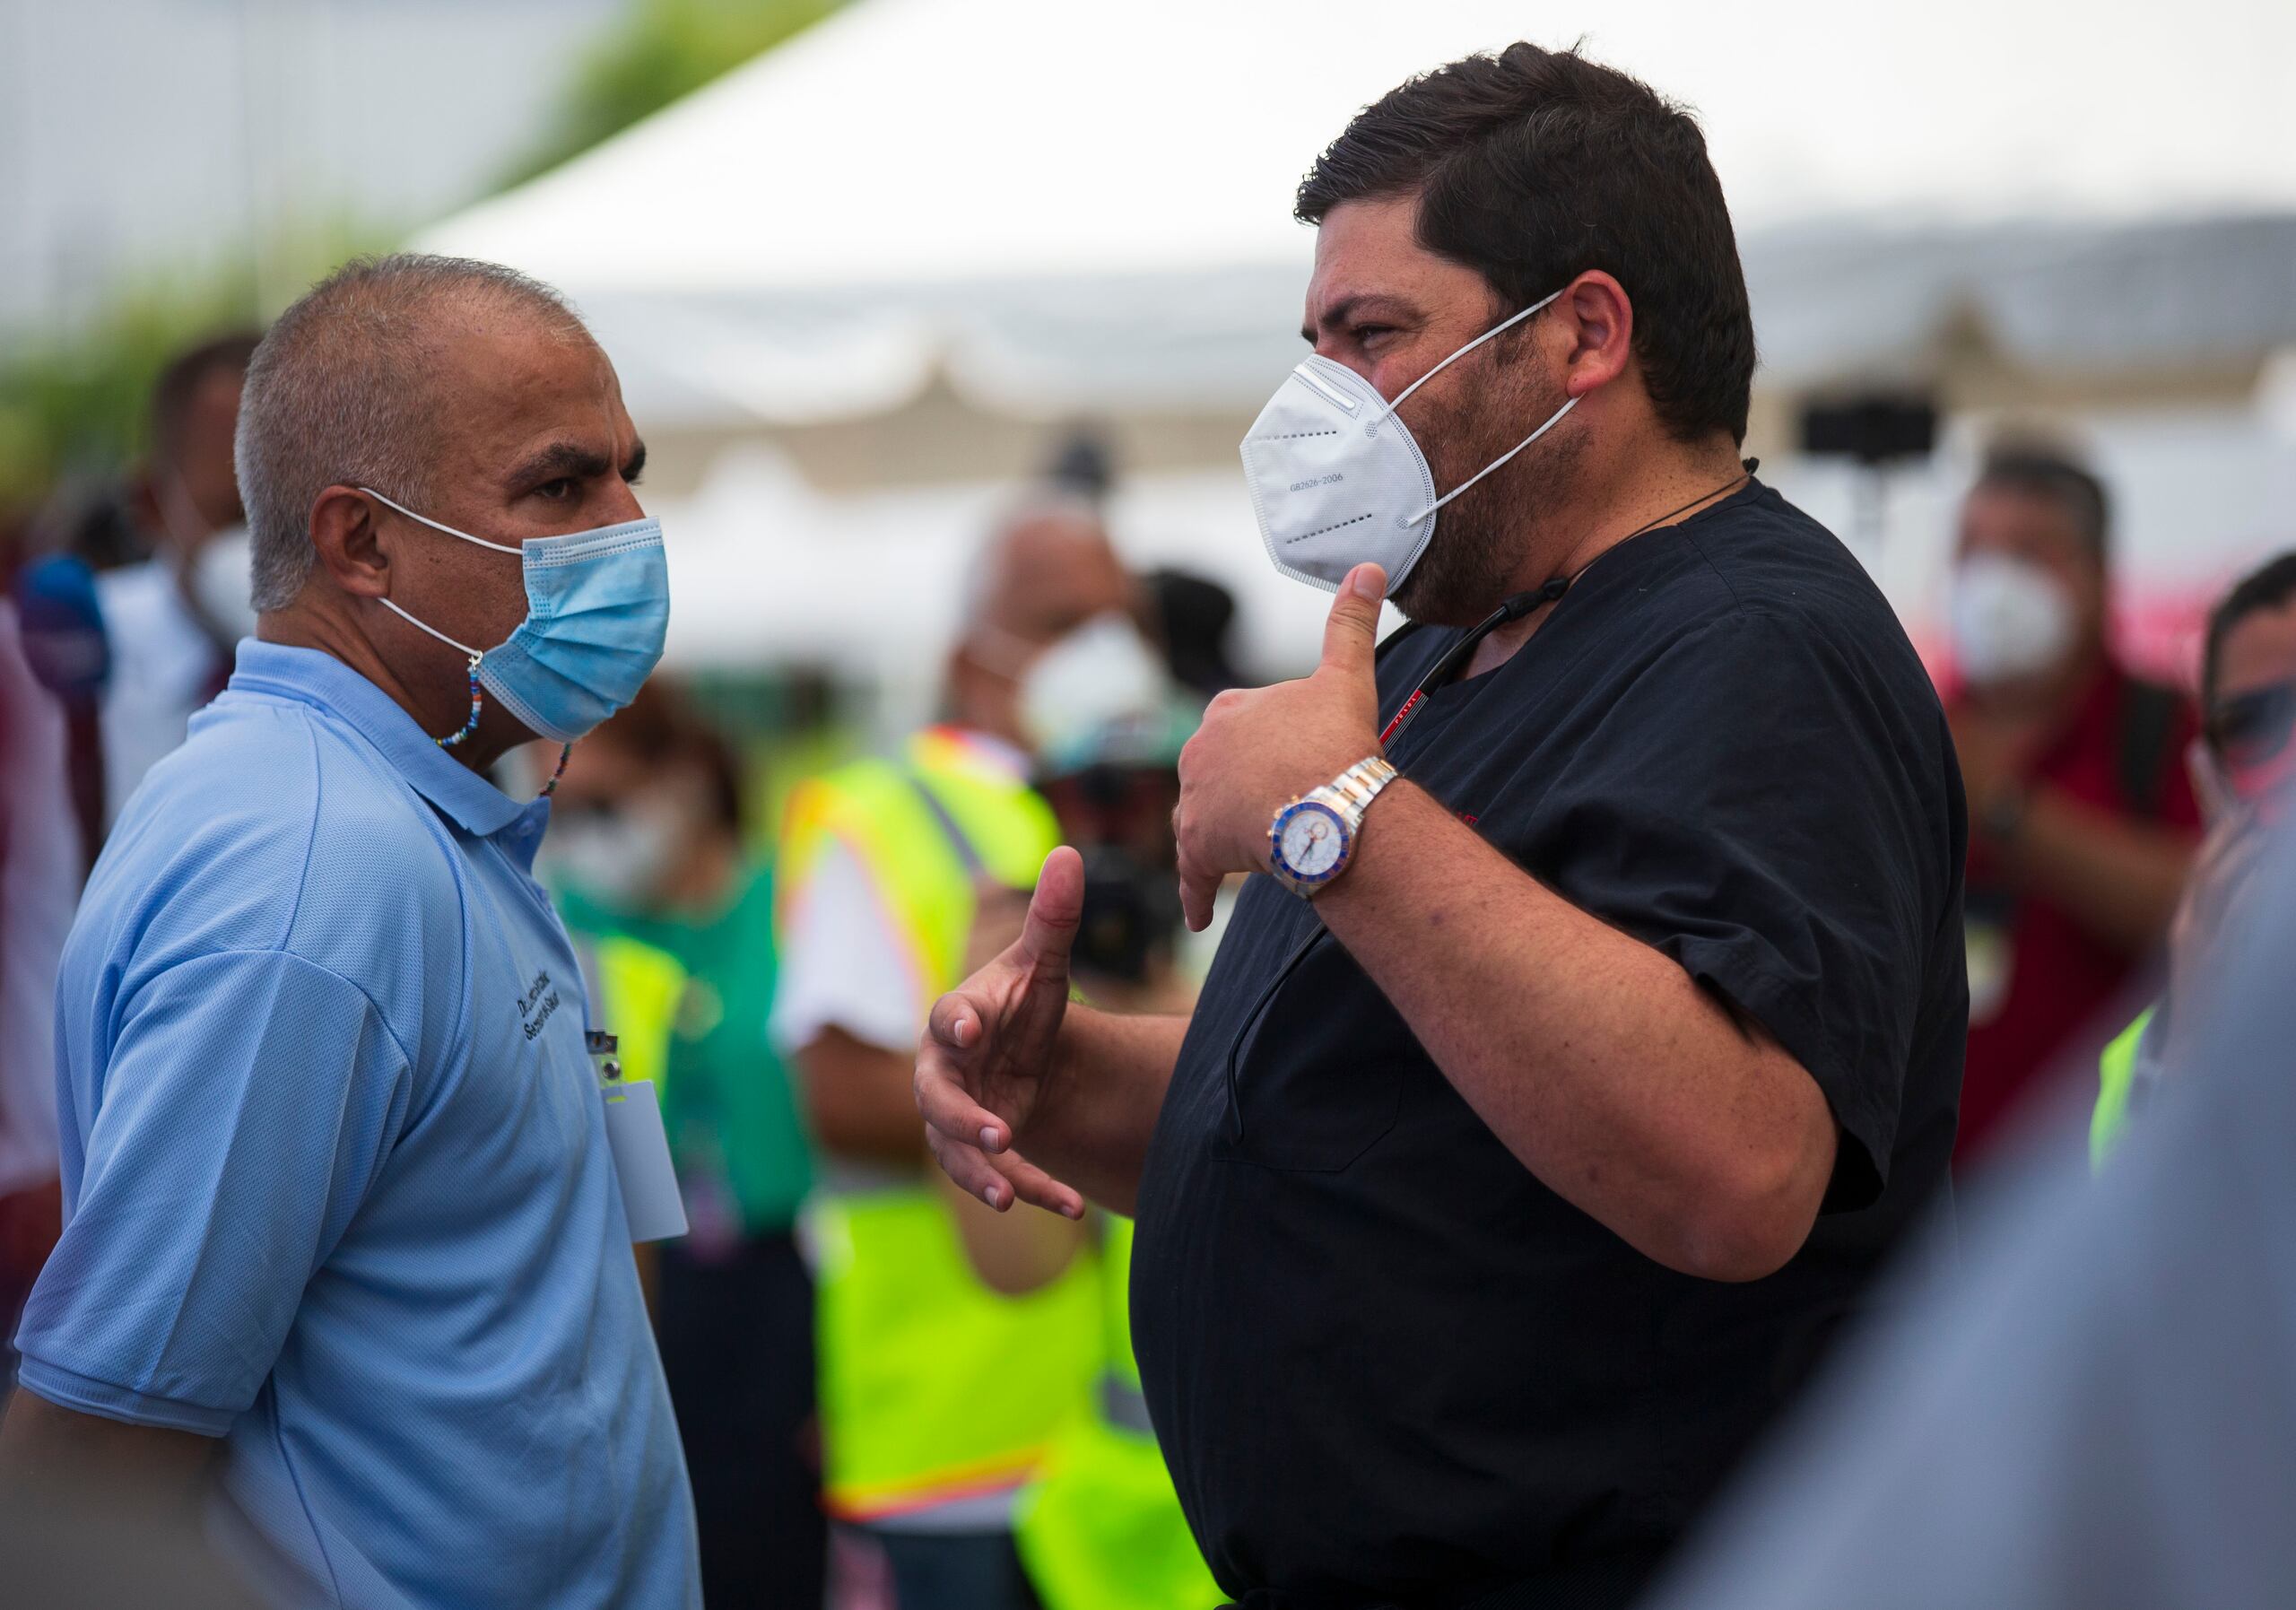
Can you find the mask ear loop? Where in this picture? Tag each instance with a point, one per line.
(1389, 412)
(477, 698)
(1372, 429)
(1569, 403)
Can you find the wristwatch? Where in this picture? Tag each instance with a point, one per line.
(1312, 839)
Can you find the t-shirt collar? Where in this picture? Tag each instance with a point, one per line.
(325, 683)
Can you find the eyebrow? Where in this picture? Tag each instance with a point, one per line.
(573, 460)
(1350, 307)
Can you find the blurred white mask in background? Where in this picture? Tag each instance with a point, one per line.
(2012, 619)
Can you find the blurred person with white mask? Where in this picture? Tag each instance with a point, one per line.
(939, 1395)
(2083, 817)
(171, 620)
(346, 1251)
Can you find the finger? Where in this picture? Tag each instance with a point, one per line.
(945, 1105)
(1198, 895)
(1351, 630)
(1032, 1184)
(954, 1022)
(1001, 1181)
(1055, 910)
(971, 1168)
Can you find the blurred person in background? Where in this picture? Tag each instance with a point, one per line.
(39, 882)
(78, 535)
(1591, 1035)
(1195, 622)
(938, 1394)
(1099, 1527)
(2242, 766)
(345, 1255)
(170, 621)
(2082, 814)
(675, 919)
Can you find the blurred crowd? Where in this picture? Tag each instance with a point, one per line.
(764, 916)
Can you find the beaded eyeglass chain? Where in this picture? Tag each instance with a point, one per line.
(477, 704)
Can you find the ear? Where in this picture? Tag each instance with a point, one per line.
(348, 543)
(1599, 321)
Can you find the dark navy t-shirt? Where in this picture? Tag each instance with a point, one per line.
(1387, 1363)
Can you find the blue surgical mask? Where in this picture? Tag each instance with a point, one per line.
(597, 609)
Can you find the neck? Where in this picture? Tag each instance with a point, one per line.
(1667, 484)
(438, 709)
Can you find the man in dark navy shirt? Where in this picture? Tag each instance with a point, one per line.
(1491, 1203)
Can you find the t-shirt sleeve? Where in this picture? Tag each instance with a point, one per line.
(1761, 810)
(251, 1100)
(842, 964)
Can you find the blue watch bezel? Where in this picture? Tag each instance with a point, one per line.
(1306, 880)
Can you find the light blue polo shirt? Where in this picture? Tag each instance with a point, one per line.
(336, 1180)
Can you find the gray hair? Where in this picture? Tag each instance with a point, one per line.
(342, 392)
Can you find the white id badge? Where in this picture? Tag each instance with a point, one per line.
(642, 1150)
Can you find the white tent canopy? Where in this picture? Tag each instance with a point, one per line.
(1063, 205)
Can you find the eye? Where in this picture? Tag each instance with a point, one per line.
(1365, 334)
(558, 488)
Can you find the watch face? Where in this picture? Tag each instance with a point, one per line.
(1310, 840)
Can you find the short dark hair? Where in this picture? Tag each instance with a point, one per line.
(2045, 473)
(2271, 585)
(1535, 166)
(185, 373)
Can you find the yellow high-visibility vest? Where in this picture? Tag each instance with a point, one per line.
(1101, 1527)
(639, 989)
(932, 1387)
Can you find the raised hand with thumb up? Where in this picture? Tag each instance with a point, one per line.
(1258, 749)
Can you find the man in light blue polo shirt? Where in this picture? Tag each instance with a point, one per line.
(339, 1194)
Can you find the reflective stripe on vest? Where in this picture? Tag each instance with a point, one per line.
(932, 1387)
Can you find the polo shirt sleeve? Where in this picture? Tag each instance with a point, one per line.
(248, 1102)
(1755, 807)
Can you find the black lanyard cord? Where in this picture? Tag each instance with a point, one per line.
(1517, 605)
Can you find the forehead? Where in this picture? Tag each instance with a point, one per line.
(2258, 651)
(2021, 520)
(1370, 248)
(507, 380)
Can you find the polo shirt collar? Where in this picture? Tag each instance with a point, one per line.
(321, 680)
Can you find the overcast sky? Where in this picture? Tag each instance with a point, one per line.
(135, 133)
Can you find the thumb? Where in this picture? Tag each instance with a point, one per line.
(1352, 630)
(1055, 911)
